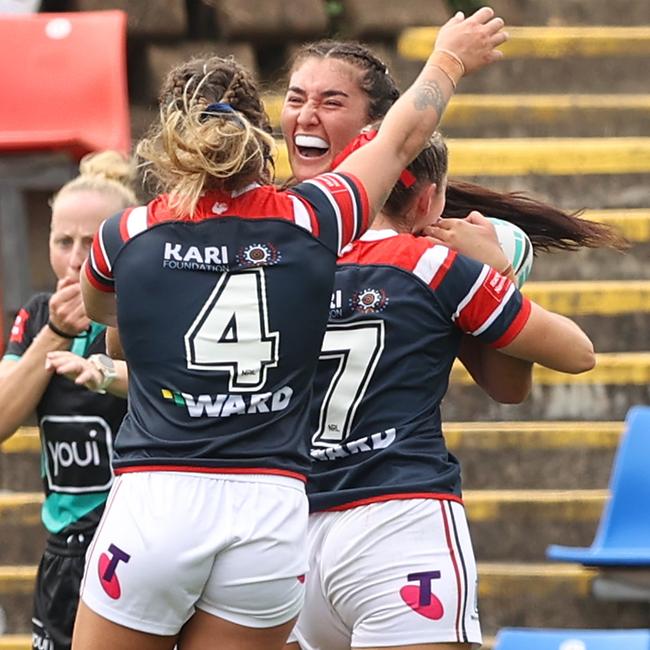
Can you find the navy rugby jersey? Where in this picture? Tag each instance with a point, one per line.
(221, 318)
(77, 428)
(399, 309)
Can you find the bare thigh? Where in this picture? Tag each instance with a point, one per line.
(94, 632)
(425, 646)
(204, 631)
(428, 646)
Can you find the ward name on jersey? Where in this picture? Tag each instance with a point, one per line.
(221, 360)
(399, 308)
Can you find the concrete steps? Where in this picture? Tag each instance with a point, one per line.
(15, 642)
(576, 135)
(557, 42)
(545, 156)
(492, 116)
(585, 448)
(548, 59)
(619, 381)
(577, 173)
(555, 455)
(522, 593)
(567, 514)
(572, 12)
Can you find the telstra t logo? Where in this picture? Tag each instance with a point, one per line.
(107, 567)
(420, 597)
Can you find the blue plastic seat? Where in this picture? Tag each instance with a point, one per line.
(623, 536)
(540, 639)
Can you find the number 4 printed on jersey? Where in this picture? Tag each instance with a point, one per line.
(231, 332)
(357, 347)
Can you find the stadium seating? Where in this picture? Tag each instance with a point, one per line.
(623, 536)
(540, 639)
(67, 90)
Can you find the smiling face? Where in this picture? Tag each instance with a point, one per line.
(323, 110)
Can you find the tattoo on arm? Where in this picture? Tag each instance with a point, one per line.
(429, 94)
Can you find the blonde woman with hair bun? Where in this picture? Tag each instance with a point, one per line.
(54, 354)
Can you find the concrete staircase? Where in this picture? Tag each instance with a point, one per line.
(566, 117)
(540, 470)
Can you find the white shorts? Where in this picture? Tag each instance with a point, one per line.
(389, 574)
(231, 545)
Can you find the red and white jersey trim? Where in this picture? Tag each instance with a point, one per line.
(337, 184)
(495, 314)
(434, 264)
(471, 293)
(101, 262)
(301, 214)
(133, 222)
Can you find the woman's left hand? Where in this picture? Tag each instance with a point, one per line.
(473, 236)
(75, 368)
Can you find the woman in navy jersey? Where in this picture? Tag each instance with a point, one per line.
(382, 477)
(76, 426)
(223, 287)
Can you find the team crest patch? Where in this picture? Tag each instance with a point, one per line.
(107, 568)
(258, 255)
(420, 598)
(369, 301)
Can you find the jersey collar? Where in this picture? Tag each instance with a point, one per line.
(376, 235)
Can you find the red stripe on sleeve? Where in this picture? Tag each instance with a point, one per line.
(484, 301)
(342, 195)
(516, 326)
(364, 206)
(98, 257)
(95, 282)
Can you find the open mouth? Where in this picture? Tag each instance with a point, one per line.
(311, 146)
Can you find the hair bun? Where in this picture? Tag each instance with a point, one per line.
(110, 165)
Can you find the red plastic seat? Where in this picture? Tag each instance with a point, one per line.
(63, 82)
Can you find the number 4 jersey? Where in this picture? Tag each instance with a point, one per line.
(399, 309)
(221, 318)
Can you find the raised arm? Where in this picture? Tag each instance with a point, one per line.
(463, 45)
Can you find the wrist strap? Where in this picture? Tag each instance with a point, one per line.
(449, 64)
(58, 332)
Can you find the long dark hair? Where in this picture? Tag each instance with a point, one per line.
(548, 227)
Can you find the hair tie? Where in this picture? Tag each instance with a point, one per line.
(223, 110)
(408, 179)
(219, 107)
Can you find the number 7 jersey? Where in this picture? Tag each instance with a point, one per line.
(399, 309)
(221, 318)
